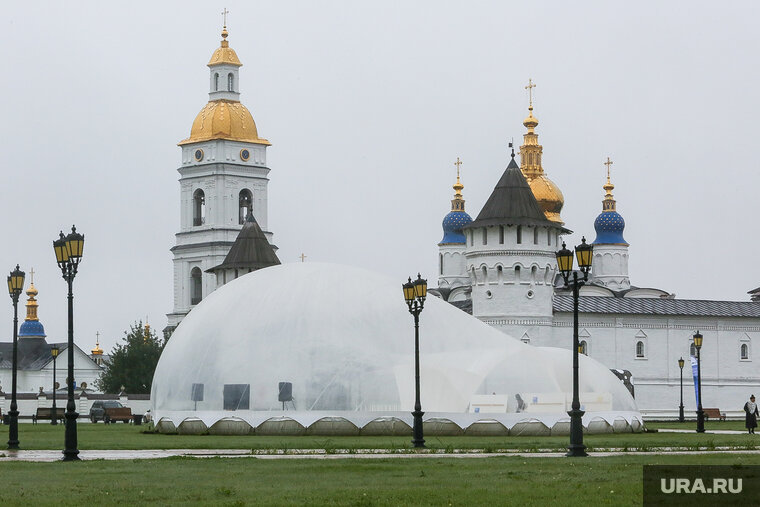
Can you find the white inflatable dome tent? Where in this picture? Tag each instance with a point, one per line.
(337, 343)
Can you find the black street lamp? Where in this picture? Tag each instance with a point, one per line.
(415, 293)
(54, 351)
(68, 254)
(584, 253)
(680, 407)
(700, 412)
(15, 287)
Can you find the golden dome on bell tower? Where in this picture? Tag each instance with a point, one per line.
(224, 116)
(546, 192)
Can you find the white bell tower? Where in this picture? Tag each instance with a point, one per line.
(223, 177)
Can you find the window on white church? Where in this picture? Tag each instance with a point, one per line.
(744, 351)
(640, 349)
(535, 235)
(216, 81)
(230, 82)
(199, 207)
(485, 236)
(245, 204)
(196, 286)
(471, 234)
(517, 274)
(583, 347)
(440, 261)
(519, 234)
(549, 237)
(501, 234)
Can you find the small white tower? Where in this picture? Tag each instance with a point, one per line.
(453, 280)
(511, 255)
(223, 178)
(610, 265)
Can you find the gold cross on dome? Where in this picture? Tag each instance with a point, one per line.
(224, 14)
(530, 87)
(302, 256)
(458, 163)
(97, 337)
(31, 272)
(608, 164)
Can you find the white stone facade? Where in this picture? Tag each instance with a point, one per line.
(452, 271)
(511, 266)
(611, 266)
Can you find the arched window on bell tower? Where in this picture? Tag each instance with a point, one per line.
(230, 82)
(216, 81)
(199, 208)
(196, 286)
(245, 205)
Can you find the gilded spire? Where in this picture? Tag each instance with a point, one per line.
(531, 151)
(31, 304)
(457, 204)
(608, 204)
(97, 351)
(547, 194)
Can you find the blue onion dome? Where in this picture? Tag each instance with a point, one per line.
(31, 327)
(609, 225)
(452, 227)
(457, 218)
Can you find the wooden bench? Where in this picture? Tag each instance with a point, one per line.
(714, 413)
(113, 415)
(47, 413)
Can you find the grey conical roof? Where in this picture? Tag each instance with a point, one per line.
(250, 250)
(512, 202)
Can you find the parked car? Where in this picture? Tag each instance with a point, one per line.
(109, 411)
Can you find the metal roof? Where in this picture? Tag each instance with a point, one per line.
(250, 250)
(657, 306)
(511, 202)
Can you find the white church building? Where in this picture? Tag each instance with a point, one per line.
(501, 268)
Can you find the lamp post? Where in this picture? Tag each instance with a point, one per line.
(584, 253)
(68, 254)
(54, 351)
(680, 407)
(15, 287)
(415, 293)
(700, 412)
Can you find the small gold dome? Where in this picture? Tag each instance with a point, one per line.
(224, 53)
(32, 291)
(224, 119)
(97, 351)
(549, 197)
(531, 121)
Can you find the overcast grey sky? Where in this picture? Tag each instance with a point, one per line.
(367, 106)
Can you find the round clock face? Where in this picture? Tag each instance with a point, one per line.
(245, 155)
(199, 155)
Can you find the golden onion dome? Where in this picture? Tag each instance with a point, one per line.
(531, 121)
(224, 54)
(224, 119)
(97, 351)
(549, 197)
(32, 291)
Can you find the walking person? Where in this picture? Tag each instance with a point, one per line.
(750, 420)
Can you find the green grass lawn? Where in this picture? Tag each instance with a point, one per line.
(250, 481)
(124, 436)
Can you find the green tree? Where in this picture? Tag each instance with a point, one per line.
(132, 362)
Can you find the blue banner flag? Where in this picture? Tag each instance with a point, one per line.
(694, 373)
